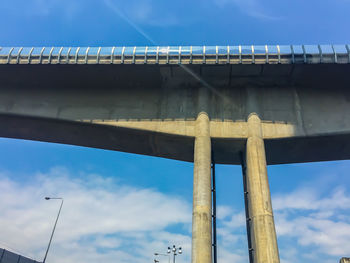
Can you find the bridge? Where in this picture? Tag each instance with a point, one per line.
(248, 105)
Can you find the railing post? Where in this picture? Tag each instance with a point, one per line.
(215, 258)
(246, 205)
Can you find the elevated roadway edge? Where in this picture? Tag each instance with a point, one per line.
(151, 109)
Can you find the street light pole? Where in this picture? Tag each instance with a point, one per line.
(54, 227)
(174, 250)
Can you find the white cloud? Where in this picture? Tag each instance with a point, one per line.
(101, 219)
(330, 237)
(237, 220)
(145, 12)
(252, 8)
(232, 239)
(313, 221)
(44, 8)
(227, 256)
(309, 199)
(223, 211)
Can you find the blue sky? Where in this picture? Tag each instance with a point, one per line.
(126, 207)
(209, 22)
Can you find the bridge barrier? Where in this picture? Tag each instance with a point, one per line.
(268, 54)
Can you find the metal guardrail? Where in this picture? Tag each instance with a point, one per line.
(10, 257)
(294, 54)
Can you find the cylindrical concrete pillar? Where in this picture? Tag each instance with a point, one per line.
(262, 226)
(202, 217)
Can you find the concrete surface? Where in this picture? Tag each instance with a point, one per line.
(151, 109)
(202, 203)
(261, 221)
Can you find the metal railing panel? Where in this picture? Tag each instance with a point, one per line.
(248, 54)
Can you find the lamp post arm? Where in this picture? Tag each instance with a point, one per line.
(160, 254)
(53, 231)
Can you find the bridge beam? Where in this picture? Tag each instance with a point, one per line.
(202, 217)
(262, 226)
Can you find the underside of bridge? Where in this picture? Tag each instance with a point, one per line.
(151, 109)
(271, 109)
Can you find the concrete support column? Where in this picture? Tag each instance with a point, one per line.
(262, 226)
(202, 215)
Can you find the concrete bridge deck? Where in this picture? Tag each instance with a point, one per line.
(145, 99)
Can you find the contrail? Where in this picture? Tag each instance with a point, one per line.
(114, 8)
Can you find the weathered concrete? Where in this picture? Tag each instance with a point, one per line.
(202, 219)
(155, 104)
(262, 226)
